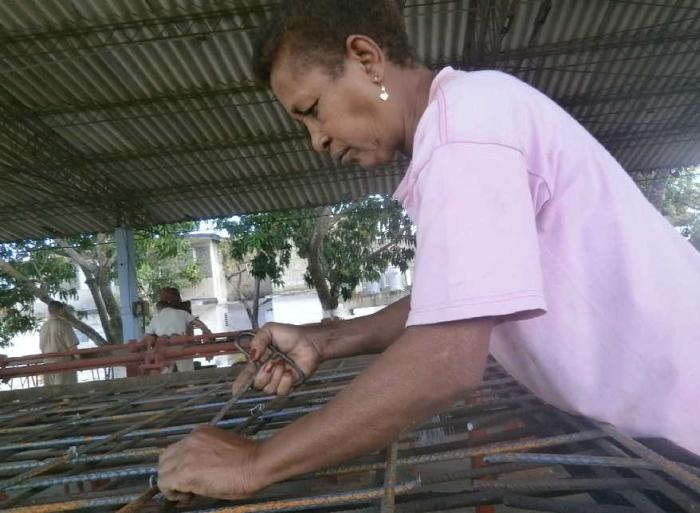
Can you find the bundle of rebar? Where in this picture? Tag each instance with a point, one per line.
(95, 447)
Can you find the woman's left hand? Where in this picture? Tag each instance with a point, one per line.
(209, 462)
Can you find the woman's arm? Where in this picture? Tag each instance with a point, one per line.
(424, 372)
(363, 335)
(313, 344)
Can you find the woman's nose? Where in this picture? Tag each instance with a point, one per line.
(319, 140)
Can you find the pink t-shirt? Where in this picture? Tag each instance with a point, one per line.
(522, 214)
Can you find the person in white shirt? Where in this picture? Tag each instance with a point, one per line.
(168, 321)
(57, 335)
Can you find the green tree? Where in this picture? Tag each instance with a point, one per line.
(164, 258)
(682, 204)
(259, 245)
(676, 194)
(344, 244)
(46, 270)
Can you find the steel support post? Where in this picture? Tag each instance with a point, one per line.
(128, 292)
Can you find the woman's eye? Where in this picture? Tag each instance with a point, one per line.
(313, 110)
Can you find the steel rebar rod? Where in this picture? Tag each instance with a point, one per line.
(559, 485)
(562, 506)
(580, 459)
(217, 404)
(89, 458)
(68, 423)
(302, 503)
(57, 463)
(670, 467)
(387, 505)
(181, 428)
(93, 458)
(657, 482)
(240, 386)
(468, 453)
(60, 460)
(637, 498)
(59, 507)
(139, 470)
(617, 471)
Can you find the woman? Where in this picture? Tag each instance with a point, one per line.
(532, 242)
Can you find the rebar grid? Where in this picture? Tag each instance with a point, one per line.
(97, 452)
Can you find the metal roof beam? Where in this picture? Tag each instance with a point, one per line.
(81, 39)
(323, 175)
(633, 38)
(487, 22)
(35, 149)
(655, 136)
(182, 101)
(240, 144)
(208, 189)
(683, 86)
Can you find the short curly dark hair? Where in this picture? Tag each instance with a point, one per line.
(317, 31)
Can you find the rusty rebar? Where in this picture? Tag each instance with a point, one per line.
(670, 467)
(539, 485)
(581, 460)
(562, 506)
(56, 507)
(459, 454)
(655, 481)
(387, 505)
(60, 460)
(449, 440)
(239, 387)
(333, 499)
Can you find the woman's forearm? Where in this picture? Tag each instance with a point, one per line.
(424, 372)
(363, 335)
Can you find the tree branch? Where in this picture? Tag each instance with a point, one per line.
(39, 293)
(384, 247)
(79, 259)
(317, 266)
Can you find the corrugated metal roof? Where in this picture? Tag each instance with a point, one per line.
(134, 112)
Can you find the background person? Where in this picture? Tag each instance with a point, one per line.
(171, 319)
(57, 335)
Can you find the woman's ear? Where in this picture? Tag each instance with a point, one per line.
(366, 52)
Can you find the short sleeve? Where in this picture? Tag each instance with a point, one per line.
(188, 317)
(151, 328)
(477, 248)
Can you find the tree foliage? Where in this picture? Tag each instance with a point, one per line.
(164, 259)
(344, 244)
(682, 205)
(28, 272)
(264, 241)
(676, 194)
(259, 245)
(47, 269)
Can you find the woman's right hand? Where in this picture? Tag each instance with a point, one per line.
(276, 376)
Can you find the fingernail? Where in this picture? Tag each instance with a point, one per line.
(253, 354)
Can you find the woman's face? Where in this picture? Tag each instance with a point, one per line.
(344, 115)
